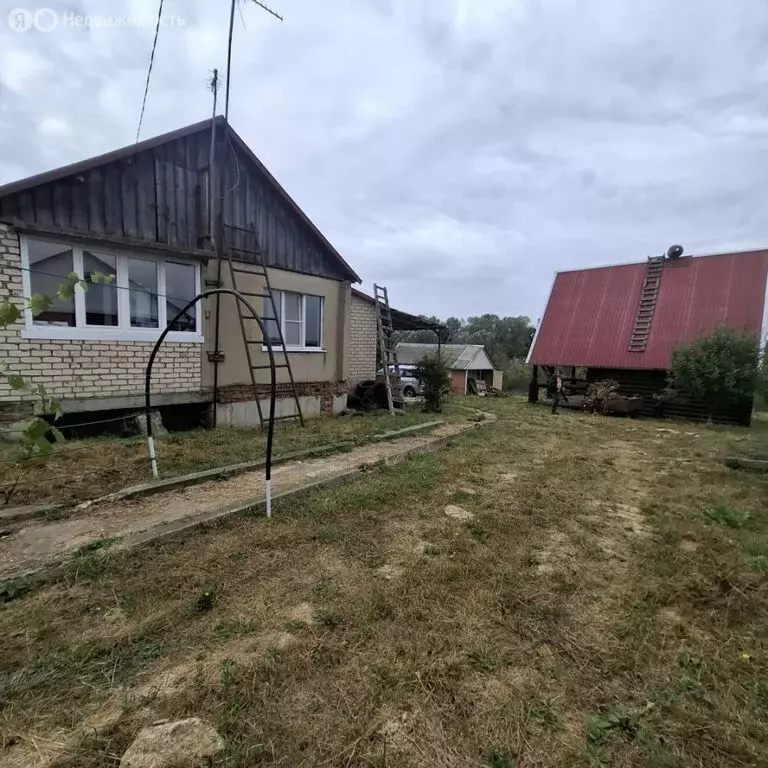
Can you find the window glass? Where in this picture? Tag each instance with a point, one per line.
(293, 307)
(142, 281)
(100, 298)
(313, 320)
(292, 334)
(179, 289)
(292, 328)
(267, 314)
(49, 265)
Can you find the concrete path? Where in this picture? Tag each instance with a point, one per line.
(33, 545)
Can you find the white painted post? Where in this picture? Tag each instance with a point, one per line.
(152, 458)
(269, 499)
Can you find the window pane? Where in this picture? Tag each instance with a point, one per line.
(49, 264)
(293, 306)
(292, 334)
(179, 289)
(142, 281)
(314, 335)
(100, 299)
(272, 330)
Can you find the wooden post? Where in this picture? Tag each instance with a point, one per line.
(573, 372)
(533, 387)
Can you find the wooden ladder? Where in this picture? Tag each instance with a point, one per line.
(387, 349)
(255, 257)
(647, 305)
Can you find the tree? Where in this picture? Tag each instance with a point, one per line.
(762, 379)
(36, 436)
(454, 326)
(719, 369)
(433, 374)
(505, 338)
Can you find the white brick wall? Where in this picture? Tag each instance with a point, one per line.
(362, 340)
(85, 368)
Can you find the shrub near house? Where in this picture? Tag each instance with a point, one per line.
(720, 369)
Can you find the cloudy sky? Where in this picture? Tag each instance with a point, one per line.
(458, 151)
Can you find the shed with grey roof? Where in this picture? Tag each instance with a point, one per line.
(466, 362)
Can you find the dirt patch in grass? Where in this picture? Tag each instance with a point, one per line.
(630, 648)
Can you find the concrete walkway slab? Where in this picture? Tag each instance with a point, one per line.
(39, 544)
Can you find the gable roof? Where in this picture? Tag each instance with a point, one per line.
(591, 313)
(204, 126)
(457, 357)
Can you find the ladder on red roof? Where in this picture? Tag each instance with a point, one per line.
(387, 350)
(648, 297)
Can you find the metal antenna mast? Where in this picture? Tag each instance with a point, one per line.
(213, 85)
(229, 46)
(218, 202)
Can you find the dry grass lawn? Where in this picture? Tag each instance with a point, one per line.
(88, 468)
(605, 605)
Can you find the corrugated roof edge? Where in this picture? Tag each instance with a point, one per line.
(477, 348)
(685, 256)
(415, 319)
(538, 325)
(179, 133)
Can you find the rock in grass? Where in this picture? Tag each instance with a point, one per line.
(188, 743)
(458, 513)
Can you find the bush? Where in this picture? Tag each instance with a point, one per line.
(718, 370)
(599, 395)
(517, 376)
(434, 376)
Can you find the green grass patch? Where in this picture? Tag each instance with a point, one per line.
(728, 516)
(95, 546)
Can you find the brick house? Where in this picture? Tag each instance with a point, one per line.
(141, 214)
(363, 334)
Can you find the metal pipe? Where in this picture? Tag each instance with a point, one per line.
(273, 383)
(229, 58)
(213, 218)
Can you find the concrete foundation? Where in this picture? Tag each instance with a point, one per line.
(158, 430)
(131, 402)
(339, 404)
(246, 414)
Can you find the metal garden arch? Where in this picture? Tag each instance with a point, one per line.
(270, 427)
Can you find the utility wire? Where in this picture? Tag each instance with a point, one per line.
(237, 166)
(122, 442)
(79, 424)
(149, 70)
(78, 476)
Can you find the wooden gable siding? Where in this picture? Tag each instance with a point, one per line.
(158, 195)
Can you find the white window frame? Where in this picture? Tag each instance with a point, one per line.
(299, 347)
(123, 331)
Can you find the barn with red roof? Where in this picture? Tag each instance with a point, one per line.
(624, 322)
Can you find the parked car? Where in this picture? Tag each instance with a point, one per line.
(410, 384)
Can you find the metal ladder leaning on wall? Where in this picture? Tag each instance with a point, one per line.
(386, 345)
(259, 269)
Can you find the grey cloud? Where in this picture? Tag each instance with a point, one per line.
(460, 152)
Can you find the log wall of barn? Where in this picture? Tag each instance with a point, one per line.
(649, 384)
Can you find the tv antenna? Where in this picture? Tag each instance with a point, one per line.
(229, 46)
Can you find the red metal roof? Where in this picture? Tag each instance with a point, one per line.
(591, 312)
